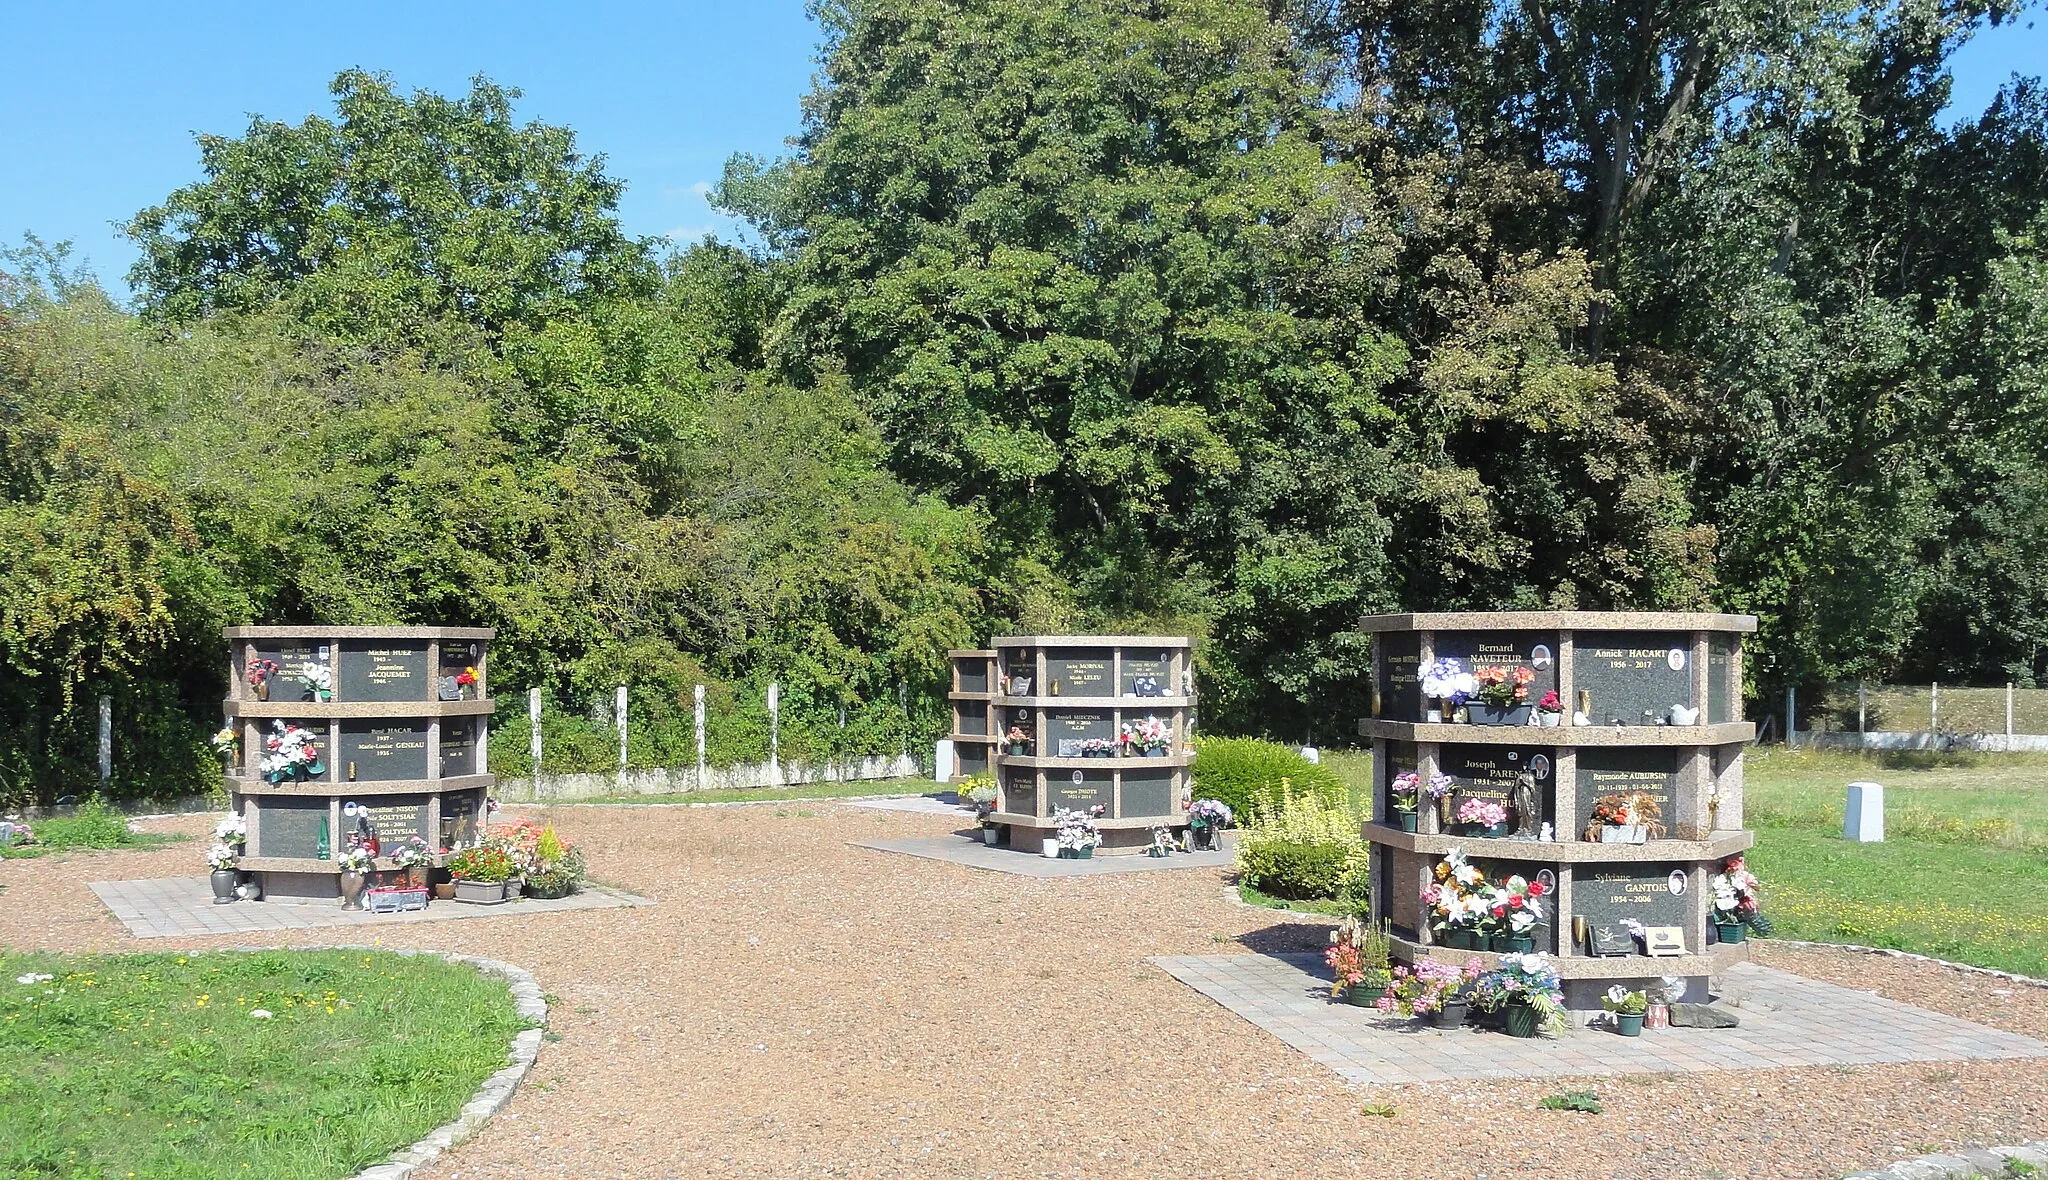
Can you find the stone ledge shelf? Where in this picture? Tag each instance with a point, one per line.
(1127, 704)
(1126, 763)
(1718, 846)
(1726, 733)
(321, 788)
(1050, 825)
(308, 864)
(1550, 620)
(357, 710)
(323, 631)
(1711, 961)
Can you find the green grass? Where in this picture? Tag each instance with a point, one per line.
(804, 792)
(1329, 907)
(1963, 871)
(152, 1065)
(92, 826)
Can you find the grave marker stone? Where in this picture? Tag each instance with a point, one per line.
(382, 670)
(1634, 677)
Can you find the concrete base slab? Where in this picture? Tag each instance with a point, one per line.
(179, 907)
(963, 850)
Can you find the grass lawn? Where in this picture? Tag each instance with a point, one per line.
(153, 1065)
(91, 826)
(1330, 907)
(803, 792)
(1963, 871)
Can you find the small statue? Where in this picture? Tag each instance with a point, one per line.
(1523, 799)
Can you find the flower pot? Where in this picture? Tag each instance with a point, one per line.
(444, 891)
(1444, 813)
(1629, 1024)
(988, 837)
(514, 887)
(1050, 848)
(1408, 820)
(480, 892)
(1450, 1015)
(1500, 714)
(1521, 944)
(1016, 749)
(1499, 944)
(1549, 720)
(1519, 1019)
(223, 882)
(352, 891)
(263, 690)
(1731, 931)
(550, 892)
(1156, 752)
(1069, 854)
(1088, 852)
(1459, 939)
(1363, 994)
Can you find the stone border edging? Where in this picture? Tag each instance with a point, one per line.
(497, 1089)
(1889, 953)
(1968, 1164)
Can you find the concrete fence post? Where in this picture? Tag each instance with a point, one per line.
(702, 771)
(106, 741)
(1862, 710)
(533, 719)
(2008, 714)
(1791, 713)
(1934, 707)
(775, 729)
(620, 712)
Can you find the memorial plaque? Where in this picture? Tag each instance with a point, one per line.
(1147, 673)
(1611, 941)
(1020, 793)
(291, 655)
(1077, 791)
(380, 670)
(1652, 894)
(383, 751)
(1398, 696)
(1635, 677)
(1651, 772)
(1150, 793)
(973, 718)
(1720, 660)
(1075, 726)
(291, 827)
(1492, 773)
(459, 819)
(971, 758)
(458, 747)
(973, 675)
(1496, 870)
(1401, 758)
(1534, 650)
(392, 818)
(1077, 674)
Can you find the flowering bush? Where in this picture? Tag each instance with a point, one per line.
(1501, 686)
(1076, 829)
(1737, 894)
(1482, 811)
(1305, 848)
(1424, 988)
(294, 755)
(483, 864)
(1528, 979)
(1148, 734)
(1445, 678)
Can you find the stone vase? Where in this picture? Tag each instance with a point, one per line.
(223, 882)
(1450, 1015)
(352, 891)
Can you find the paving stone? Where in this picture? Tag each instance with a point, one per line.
(173, 907)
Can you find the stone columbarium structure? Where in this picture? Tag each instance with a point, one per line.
(1619, 802)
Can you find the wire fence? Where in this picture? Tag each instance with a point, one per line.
(1939, 715)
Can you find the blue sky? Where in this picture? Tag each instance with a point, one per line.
(99, 102)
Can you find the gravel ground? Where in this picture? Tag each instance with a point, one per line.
(798, 1007)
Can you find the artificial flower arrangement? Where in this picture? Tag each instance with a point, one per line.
(355, 860)
(1482, 813)
(294, 756)
(1357, 956)
(1214, 813)
(1628, 811)
(1503, 687)
(1454, 898)
(318, 680)
(1738, 895)
(1098, 747)
(1529, 982)
(259, 671)
(1445, 679)
(1551, 703)
(232, 829)
(1424, 989)
(1148, 734)
(222, 856)
(1406, 791)
(1077, 831)
(466, 678)
(1623, 1002)
(226, 742)
(981, 792)
(409, 853)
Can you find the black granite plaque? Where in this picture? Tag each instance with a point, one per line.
(1491, 772)
(1062, 790)
(1635, 677)
(458, 819)
(382, 751)
(1066, 727)
(383, 670)
(1401, 758)
(1147, 671)
(1399, 694)
(973, 717)
(1720, 660)
(1605, 895)
(291, 827)
(1149, 793)
(291, 656)
(1653, 772)
(973, 675)
(393, 818)
(970, 758)
(458, 747)
(1020, 792)
(1509, 650)
(1077, 674)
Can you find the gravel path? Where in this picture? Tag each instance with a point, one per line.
(794, 1006)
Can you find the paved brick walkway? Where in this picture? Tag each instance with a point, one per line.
(1787, 1020)
(963, 850)
(177, 907)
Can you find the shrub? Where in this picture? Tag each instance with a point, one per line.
(1246, 773)
(1303, 848)
(93, 825)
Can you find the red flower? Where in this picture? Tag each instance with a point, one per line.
(1500, 911)
(1536, 889)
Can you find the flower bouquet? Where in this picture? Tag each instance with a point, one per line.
(1490, 818)
(1738, 900)
(1625, 819)
(1526, 992)
(1431, 988)
(222, 856)
(1405, 794)
(1549, 710)
(1077, 834)
(317, 680)
(1357, 956)
(1502, 688)
(259, 671)
(293, 757)
(226, 743)
(1206, 819)
(1018, 740)
(1456, 901)
(232, 830)
(1150, 736)
(1628, 1009)
(1444, 679)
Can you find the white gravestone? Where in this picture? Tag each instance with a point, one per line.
(942, 760)
(1863, 821)
(1312, 754)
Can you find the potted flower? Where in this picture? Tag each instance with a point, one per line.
(1550, 710)
(221, 858)
(259, 671)
(1433, 989)
(982, 794)
(1405, 792)
(1455, 901)
(412, 856)
(1483, 817)
(480, 874)
(1150, 736)
(1077, 834)
(1206, 820)
(1625, 819)
(1526, 992)
(1503, 692)
(1445, 682)
(1628, 1008)
(1018, 741)
(293, 755)
(227, 744)
(556, 866)
(465, 683)
(1738, 900)
(355, 863)
(1515, 908)
(1357, 956)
